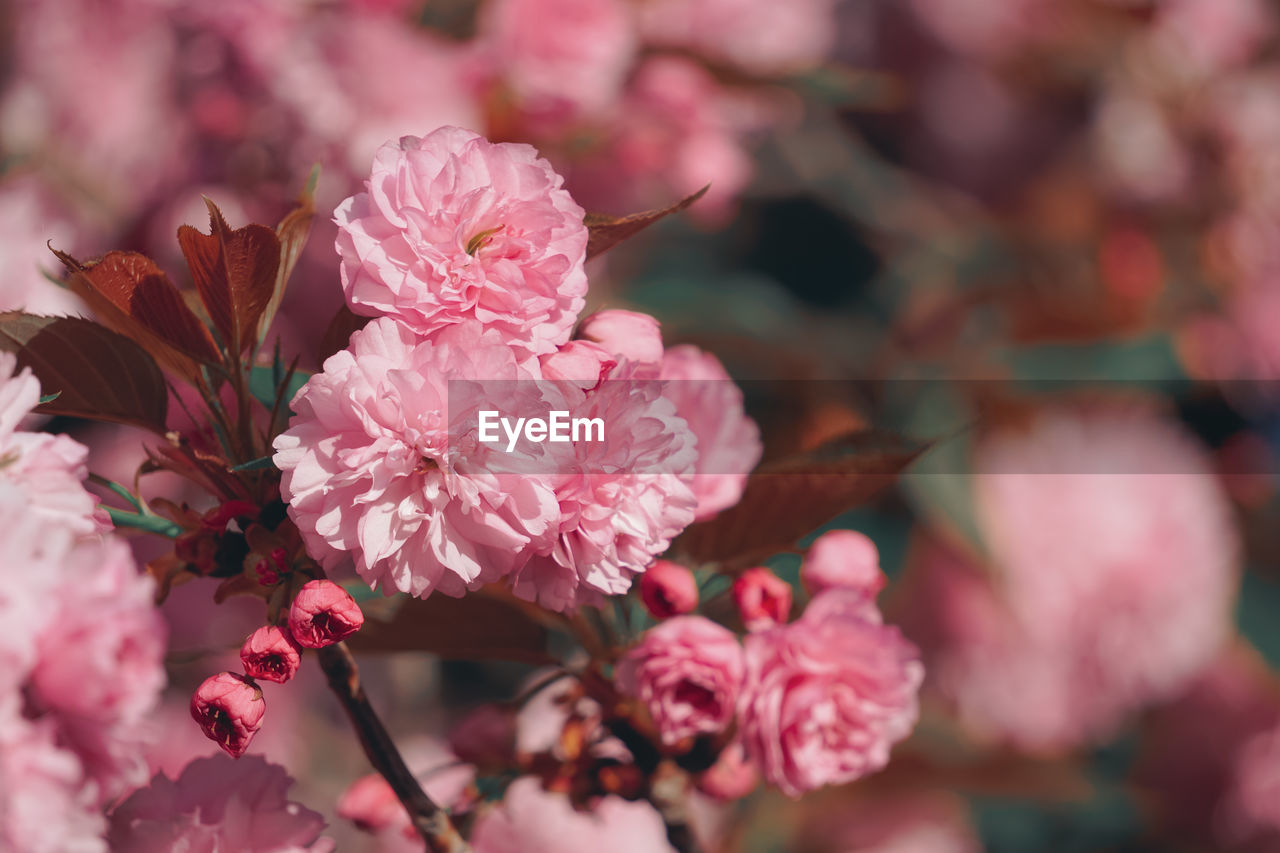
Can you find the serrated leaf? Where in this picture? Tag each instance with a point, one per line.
(605, 232)
(88, 370)
(788, 499)
(234, 273)
(475, 627)
(129, 294)
(292, 233)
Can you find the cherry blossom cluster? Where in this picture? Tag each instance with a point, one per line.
(469, 256)
(81, 658)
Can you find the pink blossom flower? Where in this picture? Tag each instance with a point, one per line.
(45, 804)
(687, 671)
(763, 598)
(229, 709)
(843, 559)
(732, 777)
(370, 803)
(766, 38)
(377, 464)
(728, 441)
(828, 695)
(28, 218)
(560, 59)
(322, 614)
(621, 501)
(1113, 570)
(271, 654)
(1252, 805)
(218, 804)
(455, 228)
(531, 820)
(629, 334)
(668, 589)
(584, 363)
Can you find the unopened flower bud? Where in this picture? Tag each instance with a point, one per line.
(630, 334)
(270, 653)
(763, 599)
(370, 804)
(732, 777)
(322, 614)
(229, 709)
(668, 589)
(843, 559)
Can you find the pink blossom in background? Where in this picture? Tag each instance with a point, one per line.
(558, 59)
(45, 804)
(455, 228)
(987, 29)
(1209, 36)
(687, 672)
(485, 736)
(728, 441)
(759, 37)
(763, 599)
(229, 709)
(732, 777)
(531, 820)
(827, 695)
(271, 654)
(843, 559)
(1251, 810)
(628, 334)
(668, 589)
(1114, 569)
(323, 613)
(367, 466)
(217, 804)
(28, 219)
(911, 821)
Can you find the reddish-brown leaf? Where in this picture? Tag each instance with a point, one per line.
(131, 295)
(475, 627)
(96, 373)
(292, 233)
(344, 324)
(234, 273)
(786, 500)
(606, 231)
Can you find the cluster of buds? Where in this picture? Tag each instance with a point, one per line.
(229, 707)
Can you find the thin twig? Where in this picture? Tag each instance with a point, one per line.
(431, 821)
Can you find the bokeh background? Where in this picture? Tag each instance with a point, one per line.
(1041, 237)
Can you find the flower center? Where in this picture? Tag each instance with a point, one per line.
(482, 239)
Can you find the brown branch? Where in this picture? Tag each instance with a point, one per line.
(431, 821)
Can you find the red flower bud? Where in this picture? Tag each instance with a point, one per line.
(229, 709)
(322, 614)
(271, 654)
(763, 598)
(843, 559)
(668, 589)
(485, 737)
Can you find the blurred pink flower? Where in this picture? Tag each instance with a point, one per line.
(485, 736)
(28, 219)
(843, 559)
(1252, 806)
(271, 654)
(756, 35)
(687, 671)
(763, 599)
(560, 59)
(668, 589)
(1114, 569)
(728, 441)
(455, 228)
(218, 804)
(531, 820)
(229, 709)
(369, 468)
(827, 695)
(45, 804)
(629, 334)
(322, 614)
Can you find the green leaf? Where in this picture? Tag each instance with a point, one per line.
(87, 370)
(260, 464)
(149, 523)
